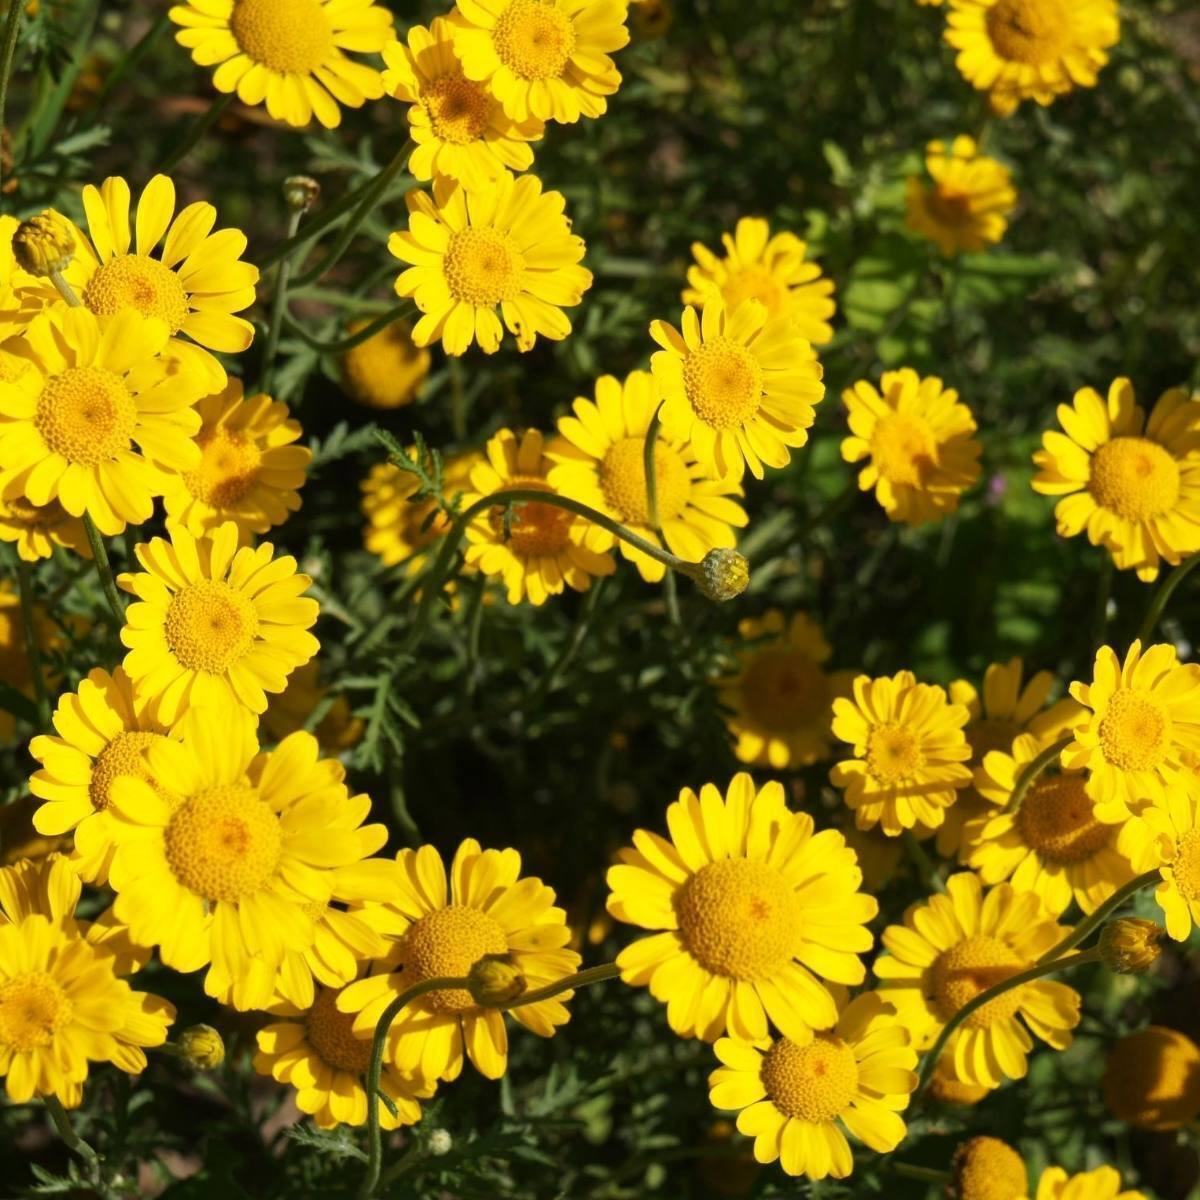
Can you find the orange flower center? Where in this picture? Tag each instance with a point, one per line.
(893, 753)
(459, 110)
(1186, 865)
(228, 470)
(903, 448)
(483, 267)
(124, 755)
(535, 530)
(1135, 731)
(815, 1082)
(210, 625)
(293, 37)
(1135, 478)
(784, 690)
(755, 282)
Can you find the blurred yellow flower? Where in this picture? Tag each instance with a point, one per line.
(1104, 1183)
(387, 370)
(36, 529)
(1152, 1079)
(985, 1168)
(289, 710)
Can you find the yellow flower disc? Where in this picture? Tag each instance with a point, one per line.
(985, 1168)
(1135, 478)
(447, 943)
(623, 481)
(534, 41)
(970, 967)
(1134, 733)
(289, 36)
(903, 448)
(813, 1083)
(137, 281)
(33, 1007)
(1029, 31)
(228, 468)
(1186, 865)
(723, 382)
(1056, 820)
(86, 414)
(893, 753)
(331, 1035)
(1153, 1079)
(210, 625)
(483, 267)
(124, 755)
(459, 110)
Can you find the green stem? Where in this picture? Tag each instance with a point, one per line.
(348, 343)
(278, 308)
(32, 650)
(922, 1174)
(1165, 591)
(199, 128)
(669, 589)
(132, 57)
(924, 864)
(1033, 769)
(564, 660)
(1101, 914)
(8, 49)
(1104, 584)
(104, 569)
(474, 627)
(74, 1143)
(313, 227)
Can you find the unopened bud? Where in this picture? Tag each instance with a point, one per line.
(495, 982)
(201, 1047)
(1129, 945)
(440, 1142)
(301, 192)
(723, 574)
(45, 244)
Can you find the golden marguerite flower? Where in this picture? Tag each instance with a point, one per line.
(36, 529)
(440, 929)
(249, 472)
(1165, 837)
(966, 205)
(1030, 49)
(755, 911)
(774, 270)
(63, 1003)
(602, 463)
(227, 869)
(910, 754)
(317, 1052)
(957, 945)
(214, 625)
(1141, 718)
(387, 370)
(780, 702)
(99, 416)
(739, 384)
(1152, 1079)
(916, 438)
(546, 59)
(508, 246)
(1053, 844)
(985, 1168)
(541, 549)
(1104, 1183)
(459, 127)
(798, 1099)
(102, 731)
(1133, 485)
(290, 53)
(337, 730)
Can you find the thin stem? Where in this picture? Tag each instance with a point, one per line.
(924, 864)
(104, 569)
(1161, 598)
(33, 652)
(669, 589)
(474, 627)
(564, 660)
(132, 57)
(313, 228)
(569, 983)
(73, 1142)
(1101, 914)
(278, 308)
(65, 290)
(922, 1174)
(8, 49)
(197, 131)
(1033, 769)
(1104, 584)
(348, 343)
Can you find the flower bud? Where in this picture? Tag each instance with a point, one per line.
(1129, 945)
(45, 244)
(723, 574)
(495, 982)
(301, 192)
(440, 1142)
(201, 1046)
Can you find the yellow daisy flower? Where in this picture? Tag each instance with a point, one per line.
(917, 439)
(1104, 1183)
(441, 929)
(957, 945)
(36, 529)
(544, 548)
(1140, 719)
(910, 753)
(290, 53)
(967, 205)
(796, 1098)
(509, 246)
(102, 733)
(545, 59)
(460, 129)
(226, 872)
(986, 1168)
(387, 370)
(317, 1052)
(756, 911)
(739, 384)
(99, 416)
(215, 625)
(249, 469)
(602, 463)
(780, 701)
(1053, 844)
(773, 270)
(1152, 1079)
(1132, 484)
(289, 710)
(1030, 49)
(1166, 838)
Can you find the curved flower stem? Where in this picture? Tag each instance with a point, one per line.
(986, 997)
(132, 57)
(104, 569)
(8, 49)
(199, 128)
(1033, 769)
(348, 343)
(1161, 598)
(567, 656)
(278, 308)
(74, 1143)
(32, 651)
(1097, 918)
(669, 589)
(922, 1174)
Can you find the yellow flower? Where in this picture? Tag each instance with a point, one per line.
(37, 528)
(63, 1004)
(1132, 484)
(797, 1097)
(543, 549)
(780, 701)
(1030, 49)
(226, 870)
(387, 370)
(441, 930)
(755, 909)
(945, 1089)
(201, 1047)
(23, 295)
(1130, 945)
(546, 59)
(602, 464)
(917, 439)
(249, 469)
(773, 270)
(102, 733)
(1052, 845)
(98, 417)
(44, 244)
(957, 945)
(317, 1052)
(739, 384)
(968, 203)
(290, 709)
(1152, 1080)
(460, 128)
(985, 1168)
(1104, 1183)
(910, 753)
(509, 246)
(215, 626)
(1166, 837)
(290, 53)
(1141, 718)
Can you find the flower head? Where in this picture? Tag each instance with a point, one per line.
(201, 1047)
(44, 244)
(985, 1168)
(916, 438)
(36, 529)
(1104, 1183)
(1152, 1080)
(387, 370)
(1165, 837)
(1133, 484)
(1130, 945)
(756, 911)
(723, 575)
